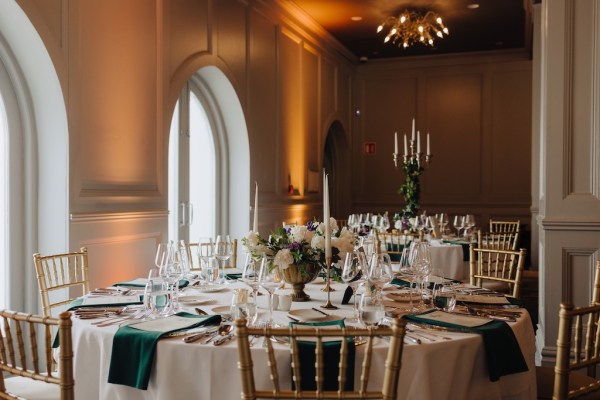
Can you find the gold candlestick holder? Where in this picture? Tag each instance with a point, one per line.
(328, 288)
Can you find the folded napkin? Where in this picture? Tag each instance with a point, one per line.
(141, 282)
(233, 276)
(133, 349)
(108, 301)
(502, 351)
(331, 357)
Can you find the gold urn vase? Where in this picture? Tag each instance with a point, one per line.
(298, 275)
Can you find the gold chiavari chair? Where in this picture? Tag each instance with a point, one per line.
(393, 243)
(500, 270)
(498, 241)
(29, 380)
(192, 253)
(577, 356)
(505, 226)
(61, 271)
(545, 375)
(392, 363)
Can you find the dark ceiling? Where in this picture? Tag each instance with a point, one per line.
(474, 25)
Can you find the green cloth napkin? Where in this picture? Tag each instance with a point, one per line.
(133, 351)
(396, 249)
(331, 357)
(142, 283)
(78, 303)
(465, 248)
(233, 276)
(502, 351)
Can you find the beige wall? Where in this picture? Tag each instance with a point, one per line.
(123, 64)
(477, 110)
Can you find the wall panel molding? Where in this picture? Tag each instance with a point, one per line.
(118, 216)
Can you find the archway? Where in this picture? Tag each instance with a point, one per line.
(336, 162)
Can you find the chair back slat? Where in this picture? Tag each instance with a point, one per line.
(24, 329)
(196, 264)
(504, 226)
(500, 266)
(574, 353)
(392, 366)
(61, 271)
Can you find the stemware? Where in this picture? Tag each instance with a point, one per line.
(469, 223)
(250, 274)
(269, 278)
(380, 272)
(156, 299)
(354, 276)
(162, 252)
(223, 248)
(443, 221)
(459, 223)
(370, 309)
(421, 264)
(171, 271)
(206, 252)
(408, 273)
(385, 222)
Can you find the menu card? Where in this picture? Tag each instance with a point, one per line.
(168, 324)
(468, 321)
(482, 299)
(102, 300)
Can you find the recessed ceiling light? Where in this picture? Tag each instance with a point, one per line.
(472, 6)
(356, 18)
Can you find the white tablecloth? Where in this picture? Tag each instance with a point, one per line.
(440, 370)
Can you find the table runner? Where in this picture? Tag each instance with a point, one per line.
(502, 351)
(133, 351)
(331, 357)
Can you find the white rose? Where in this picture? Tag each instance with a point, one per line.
(342, 245)
(318, 242)
(299, 233)
(333, 226)
(320, 228)
(251, 239)
(284, 258)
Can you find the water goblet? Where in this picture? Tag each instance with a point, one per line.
(223, 249)
(354, 276)
(459, 223)
(269, 278)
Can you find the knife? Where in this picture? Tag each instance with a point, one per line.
(224, 339)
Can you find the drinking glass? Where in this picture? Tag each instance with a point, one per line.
(210, 271)
(469, 223)
(421, 264)
(385, 222)
(380, 271)
(443, 221)
(223, 248)
(206, 252)
(459, 223)
(243, 305)
(269, 278)
(162, 251)
(250, 274)
(156, 297)
(444, 295)
(354, 276)
(370, 309)
(408, 273)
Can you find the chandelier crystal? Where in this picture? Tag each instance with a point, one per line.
(410, 27)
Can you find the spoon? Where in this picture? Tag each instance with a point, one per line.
(198, 336)
(222, 331)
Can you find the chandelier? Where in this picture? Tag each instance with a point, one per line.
(411, 27)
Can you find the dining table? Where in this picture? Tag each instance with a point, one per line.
(448, 365)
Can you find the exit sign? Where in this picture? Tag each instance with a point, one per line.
(370, 148)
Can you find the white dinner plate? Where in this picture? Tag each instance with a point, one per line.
(223, 310)
(209, 288)
(195, 300)
(310, 315)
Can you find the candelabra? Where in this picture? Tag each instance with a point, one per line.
(413, 164)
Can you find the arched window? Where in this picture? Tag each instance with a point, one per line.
(209, 160)
(3, 194)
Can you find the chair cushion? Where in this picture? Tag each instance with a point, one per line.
(545, 383)
(32, 389)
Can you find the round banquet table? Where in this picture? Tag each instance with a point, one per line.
(444, 369)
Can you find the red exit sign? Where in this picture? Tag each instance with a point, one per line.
(370, 148)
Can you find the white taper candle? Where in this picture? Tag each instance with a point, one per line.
(405, 145)
(255, 223)
(418, 142)
(395, 142)
(326, 218)
(413, 129)
(428, 147)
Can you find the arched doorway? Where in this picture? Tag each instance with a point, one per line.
(336, 162)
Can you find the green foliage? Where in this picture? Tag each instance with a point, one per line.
(411, 189)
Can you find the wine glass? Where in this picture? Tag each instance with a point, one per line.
(223, 248)
(354, 276)
(469, 222)
(421, 263)
(380, 271)
(206, 252)
(269, 278)
(162, 251)
(250, 274)
(407, 272)
(370, 309)
(459, 223)
(171, 272)
(385, 222)
(443, 221)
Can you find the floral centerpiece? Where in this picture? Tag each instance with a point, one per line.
(299, 251)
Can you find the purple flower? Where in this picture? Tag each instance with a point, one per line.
(311, 225)
(294, 246)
